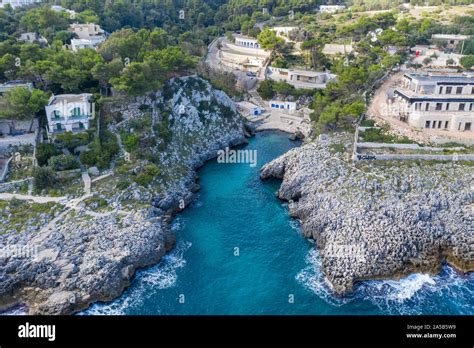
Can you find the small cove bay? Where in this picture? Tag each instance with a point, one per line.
(238, 252)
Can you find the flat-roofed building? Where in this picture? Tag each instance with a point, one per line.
(69, 113)
(89, 35)
(9, 85)
(429, 101)
(307, 79)
(451, 39)
(79, 44)
(246, 41)
(286, 106)
(33, 38)
(249, 109)
(86, 31)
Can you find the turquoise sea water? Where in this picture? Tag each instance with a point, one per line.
(274, 270)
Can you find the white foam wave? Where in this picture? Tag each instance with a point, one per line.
(177, 224)
(312, 278)
(415, 294)
(295, 225)
(19, 310)
(163, 275)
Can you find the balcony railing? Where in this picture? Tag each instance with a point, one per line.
(79, 117)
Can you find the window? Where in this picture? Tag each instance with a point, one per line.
(439, 124)
(441, 90)
(449, 90)
(472, 90)
(462, 106)
(56, 114)
(447, 106)
(439, 106)
(427, 106)
(471, 106)
(427, 124)
(458, 90)
(467, 127)
(417, 106)
(76, 111)
(446, 123)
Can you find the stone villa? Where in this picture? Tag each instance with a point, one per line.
(442, 102)
(69, 112)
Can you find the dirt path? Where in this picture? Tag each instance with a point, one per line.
(36, 199)
(378, 111)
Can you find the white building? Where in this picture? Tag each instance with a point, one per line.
(249, 109)
(243, 54)
(57, 8)
(69, 112)
(286, 106)
(442, 102)
(89, 35)
(300, 78)
(331, 8)
(283, 32)
(17, 3)
(8, 86)
(246, 41)
(79, 44)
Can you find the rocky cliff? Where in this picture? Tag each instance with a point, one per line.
(89, 249)
(377, 220)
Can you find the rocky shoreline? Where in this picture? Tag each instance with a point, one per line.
(377, 220)
(83, 256)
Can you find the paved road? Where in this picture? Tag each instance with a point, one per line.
(213, 60)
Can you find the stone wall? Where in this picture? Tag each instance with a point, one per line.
(397, 157)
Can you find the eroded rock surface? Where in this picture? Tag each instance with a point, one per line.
(377, 220)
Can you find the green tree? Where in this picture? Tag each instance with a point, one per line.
(63, 162)
(22, 104)
(43, 178)
(134, 80)
(266, 90)
(268, 39)
(467, 62)
(44, 152)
